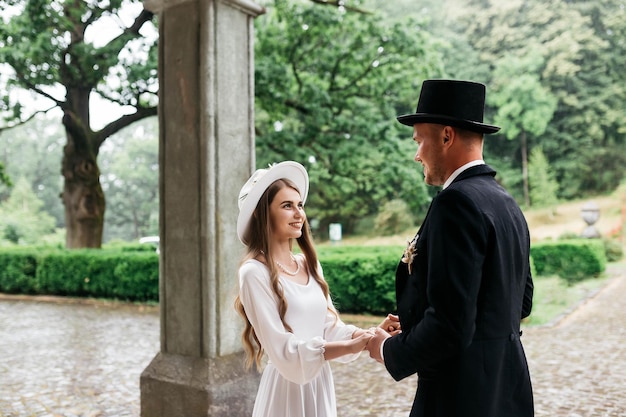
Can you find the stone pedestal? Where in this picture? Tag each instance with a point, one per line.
(206, 152)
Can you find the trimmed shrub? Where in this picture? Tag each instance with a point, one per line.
(116, 274)
(613, 249)
(362, 279)
(573, 260)
(18, 272)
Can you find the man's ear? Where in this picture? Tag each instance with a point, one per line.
(448, 135)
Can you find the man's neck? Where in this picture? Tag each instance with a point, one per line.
(460, 169)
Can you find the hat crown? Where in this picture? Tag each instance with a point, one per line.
(451, 102)
(463, 100)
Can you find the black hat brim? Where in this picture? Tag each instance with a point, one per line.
(411, 119)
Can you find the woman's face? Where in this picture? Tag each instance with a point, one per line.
(429, 139)
(287, 214)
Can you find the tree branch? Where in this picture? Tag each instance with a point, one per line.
(37, 90)
(124, 121)
(28, 119)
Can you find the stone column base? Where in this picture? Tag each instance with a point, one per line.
(185, 386)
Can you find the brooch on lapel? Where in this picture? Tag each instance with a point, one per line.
(410, 252)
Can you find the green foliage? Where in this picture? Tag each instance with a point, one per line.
(613, 249)
(123, 275)
(131, 184)
(33, 151)
(18, 272)
(58, 51)
(582, 47)
(543, 185)
(362, 279)
(4, 178)
(22, 219)
(572, 260)
(329, 85)
(127, 276)
(47, 43)
(523, 104)
(393, 217)
(553, 298)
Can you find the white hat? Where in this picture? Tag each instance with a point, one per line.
(254, 188)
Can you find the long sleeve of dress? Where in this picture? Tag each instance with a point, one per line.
(337, 330)
(299, 359)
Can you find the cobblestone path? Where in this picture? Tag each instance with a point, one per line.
(73, 360)
(578, 367)
(78, 360)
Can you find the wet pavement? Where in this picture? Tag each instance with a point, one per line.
(73, 359)
(577, 365)
(77, 359)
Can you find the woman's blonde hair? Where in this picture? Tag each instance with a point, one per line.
(257, 235)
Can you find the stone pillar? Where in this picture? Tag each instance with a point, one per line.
(206, 152)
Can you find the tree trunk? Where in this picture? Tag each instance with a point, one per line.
(525, 169)
(82, 194)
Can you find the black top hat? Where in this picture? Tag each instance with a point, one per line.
(452, 103)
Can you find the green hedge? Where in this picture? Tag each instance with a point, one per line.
(361, 279)
(18, 272)
(117, 274)
(573, 260)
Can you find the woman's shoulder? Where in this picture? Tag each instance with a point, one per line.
(253, 268)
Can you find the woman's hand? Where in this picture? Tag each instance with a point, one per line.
(360, 337)
(358, 343)
(391, 324)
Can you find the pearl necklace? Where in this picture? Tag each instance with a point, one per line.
(286, 271)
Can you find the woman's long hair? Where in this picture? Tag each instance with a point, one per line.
(257, 236)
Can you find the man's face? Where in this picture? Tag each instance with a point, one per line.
(430, 152)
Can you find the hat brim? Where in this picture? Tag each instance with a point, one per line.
(411, 119)
(290, 170)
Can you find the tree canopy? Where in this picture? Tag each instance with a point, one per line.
(58, 51)
(329, 85)
(331, 77)
(582, 55)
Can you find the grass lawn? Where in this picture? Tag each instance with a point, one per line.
(553, 298)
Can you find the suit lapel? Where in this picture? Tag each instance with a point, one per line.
(402, 272)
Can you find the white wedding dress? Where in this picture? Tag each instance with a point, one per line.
(297, 381)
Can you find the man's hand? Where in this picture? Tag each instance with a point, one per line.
(373, 346)
(391, 324)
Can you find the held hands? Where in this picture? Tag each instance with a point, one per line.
(391, 324)
(373, 346)
(389, 327)
(361, 339)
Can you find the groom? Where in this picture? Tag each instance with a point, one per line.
(464, 282)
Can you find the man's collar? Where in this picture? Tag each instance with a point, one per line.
(461, 169)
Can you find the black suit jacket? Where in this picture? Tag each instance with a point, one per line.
(461, 304)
